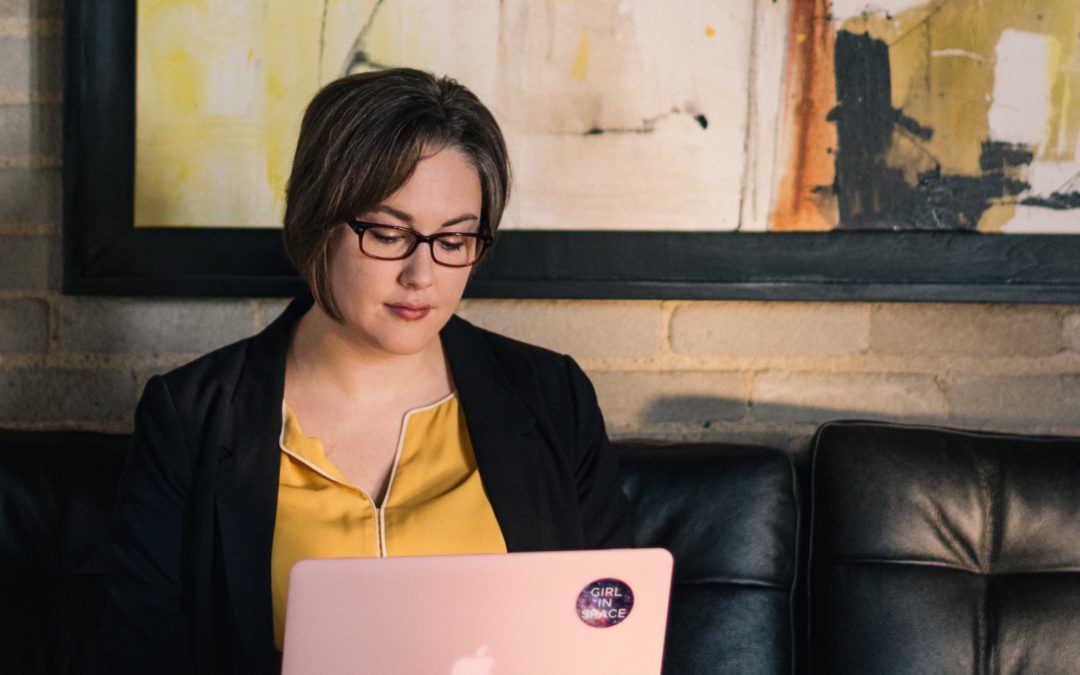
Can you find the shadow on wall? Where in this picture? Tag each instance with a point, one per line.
(710, 410)
(782, 425)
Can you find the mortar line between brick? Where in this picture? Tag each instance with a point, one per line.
(667, 314)
(51, 230)
(945, 384)
(27, 27)
(35, 161)
(29, 293)
(25, 97)
(1063, 339)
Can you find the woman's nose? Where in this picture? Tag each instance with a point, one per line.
(419, 268)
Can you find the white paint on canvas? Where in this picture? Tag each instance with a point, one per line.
(620, 114)
(1021, 97)
(768, 45)
(1046, 179)
(625, 114)
(1039, 220)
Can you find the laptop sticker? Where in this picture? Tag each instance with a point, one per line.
(605, 603)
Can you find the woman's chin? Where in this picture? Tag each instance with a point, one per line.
(402, 342)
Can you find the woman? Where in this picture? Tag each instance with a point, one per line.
(366, 420)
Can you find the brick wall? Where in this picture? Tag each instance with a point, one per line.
(771, 372)
(768, 372)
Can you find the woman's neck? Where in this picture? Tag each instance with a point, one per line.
(322, 352)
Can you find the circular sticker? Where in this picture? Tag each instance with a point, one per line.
(604, 603)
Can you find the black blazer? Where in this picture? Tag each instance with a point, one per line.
(188, 587)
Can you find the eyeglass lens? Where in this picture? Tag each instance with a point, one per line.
(448, 248)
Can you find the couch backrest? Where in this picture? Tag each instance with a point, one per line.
(56, 492)
(930, 550)
(940, 551)
(729, 514)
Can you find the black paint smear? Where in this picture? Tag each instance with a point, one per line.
(997, 156)
(873, 195)
(1059, 201)
(359, 57)
(647, 125)
(597, 131)
(912, 126)
(958, 202)
(864, 118)
(1062, 199)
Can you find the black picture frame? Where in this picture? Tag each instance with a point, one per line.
(104, 254)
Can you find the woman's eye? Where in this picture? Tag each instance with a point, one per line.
(452, 243)
(386, 236)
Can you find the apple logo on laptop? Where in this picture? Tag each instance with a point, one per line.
(480, 663)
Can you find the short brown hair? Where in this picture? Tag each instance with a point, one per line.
(361, 139)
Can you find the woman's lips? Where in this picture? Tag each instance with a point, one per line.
(410, 312)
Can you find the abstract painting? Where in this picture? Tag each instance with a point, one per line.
(620, 114)
(941, 115)
(917, 150)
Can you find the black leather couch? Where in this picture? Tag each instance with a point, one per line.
(895, 549)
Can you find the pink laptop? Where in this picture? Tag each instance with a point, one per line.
(518, 613)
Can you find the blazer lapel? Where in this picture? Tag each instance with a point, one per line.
(248, 485)
(517, 465)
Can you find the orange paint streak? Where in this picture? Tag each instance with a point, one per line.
(809, 95)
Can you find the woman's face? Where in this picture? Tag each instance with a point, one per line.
(399, 306)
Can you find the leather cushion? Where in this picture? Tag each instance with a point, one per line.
(729, 515)
(56, 495)
(935, 550)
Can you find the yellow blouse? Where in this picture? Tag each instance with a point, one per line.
(434, 503)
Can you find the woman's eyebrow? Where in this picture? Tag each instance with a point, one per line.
(405, 217)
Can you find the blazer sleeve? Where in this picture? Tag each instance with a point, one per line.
(604, 510)
(144, 627)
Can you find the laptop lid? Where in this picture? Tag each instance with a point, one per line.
(496, 614)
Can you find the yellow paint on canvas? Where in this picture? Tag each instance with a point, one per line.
(580, 68)
(220, 91)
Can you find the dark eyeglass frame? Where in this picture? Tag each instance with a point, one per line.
(359, 226)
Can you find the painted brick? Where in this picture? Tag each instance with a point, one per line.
(26, 261)
(125, 326)
(764, 329)
(24, 326)
(34, 8)
(268, 310)
(582, 329)
(642, 399)
(30, 130)
(1072, 332)
(784, 397)
(30, 196)
(31, 64)
(1004, 401)
(61, 395)
(969, 330)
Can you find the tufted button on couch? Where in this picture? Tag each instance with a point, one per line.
(895, 549)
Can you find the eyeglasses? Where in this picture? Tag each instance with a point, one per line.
(390, 242)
